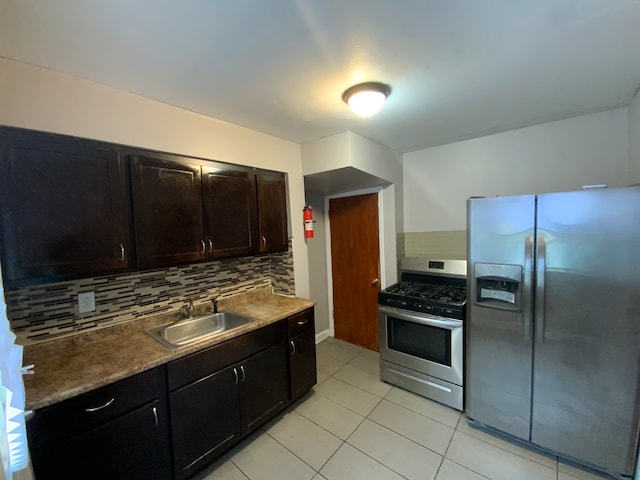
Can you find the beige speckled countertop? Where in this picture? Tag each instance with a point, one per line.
(73, 365)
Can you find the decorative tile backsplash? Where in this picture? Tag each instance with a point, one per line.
(41, 312)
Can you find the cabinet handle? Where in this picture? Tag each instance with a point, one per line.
(235, 374)
(303, 322)
(243, 374)
(100, 407)
(210, 245)
(264, 240)
(122, 255)
(204, 247)
(155, 416)
(293, 347)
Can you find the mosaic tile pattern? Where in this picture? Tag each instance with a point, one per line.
(282, 272)
(45, 311)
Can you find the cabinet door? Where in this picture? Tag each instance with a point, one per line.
(302, 358)
(230, 211)
(264, 386)
(134, 446)
(205, 420)
(167, 211)
(64, 208)
(272, 212)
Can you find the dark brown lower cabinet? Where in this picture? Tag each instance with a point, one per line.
(302, 353)
(105, 434)
(303, 363)
(264, 389)
(213, 412)
(205, 421)
(129, 447)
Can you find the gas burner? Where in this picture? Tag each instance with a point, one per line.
(437, 293)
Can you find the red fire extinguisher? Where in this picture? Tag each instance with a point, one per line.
(307, 216)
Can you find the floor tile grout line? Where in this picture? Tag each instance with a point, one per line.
(376, 460)
(420, 413)
(343, 406)
(345, 441)
(446, 450)
(293, 453)
(405, 437)
(466, 468)
(356, 386)
(341, 445)
(510, 451)
(397, 433)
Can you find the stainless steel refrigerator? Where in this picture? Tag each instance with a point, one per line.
(553, 322)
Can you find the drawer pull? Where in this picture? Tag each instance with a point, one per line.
(303, 322)
(100, 407)
(155, 416)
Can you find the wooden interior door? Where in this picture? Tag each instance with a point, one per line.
(355, 264)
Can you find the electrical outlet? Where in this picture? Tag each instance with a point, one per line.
(86, 302)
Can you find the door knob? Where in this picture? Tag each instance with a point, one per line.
(375, 281)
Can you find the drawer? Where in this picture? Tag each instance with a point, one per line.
(300, 322)
(205, 362)
(68, 418)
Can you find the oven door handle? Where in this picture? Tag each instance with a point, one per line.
(422, 320)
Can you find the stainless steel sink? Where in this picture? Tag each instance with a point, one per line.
(191, 330)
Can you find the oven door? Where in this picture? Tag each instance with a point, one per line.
(424, 343)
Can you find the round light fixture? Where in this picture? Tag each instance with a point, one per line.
(366, 99)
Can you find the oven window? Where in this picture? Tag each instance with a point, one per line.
(424, 341)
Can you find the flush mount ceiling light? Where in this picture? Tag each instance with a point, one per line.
(366, 99)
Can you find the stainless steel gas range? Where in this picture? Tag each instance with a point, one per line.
(421, 322)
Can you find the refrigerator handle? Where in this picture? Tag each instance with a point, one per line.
(540, 274)
(528, 280)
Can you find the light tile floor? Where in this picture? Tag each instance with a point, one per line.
(352, 426)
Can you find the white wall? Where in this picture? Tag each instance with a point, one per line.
(557, 156)
(40, 99)
(317, 248)
(383, 162)
(349, 149)
(634, 139)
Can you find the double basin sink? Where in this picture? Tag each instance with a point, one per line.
(191, 330)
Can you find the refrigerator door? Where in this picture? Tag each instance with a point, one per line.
(498, 326)
(587, 326)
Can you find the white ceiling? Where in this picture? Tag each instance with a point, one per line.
(457, 68)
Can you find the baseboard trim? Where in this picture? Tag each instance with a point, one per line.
(322, 335)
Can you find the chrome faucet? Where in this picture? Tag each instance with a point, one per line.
(188, 309)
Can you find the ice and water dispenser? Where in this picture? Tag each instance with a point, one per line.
(498, 286)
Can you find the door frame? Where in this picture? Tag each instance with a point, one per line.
(381, 256)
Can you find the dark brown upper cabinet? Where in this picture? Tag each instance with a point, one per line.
(230, 210)
(65, 207)
(187, 210)
(74, 208)
(167, 211)
(272, 212)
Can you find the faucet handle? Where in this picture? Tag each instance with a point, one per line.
(215, 305)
